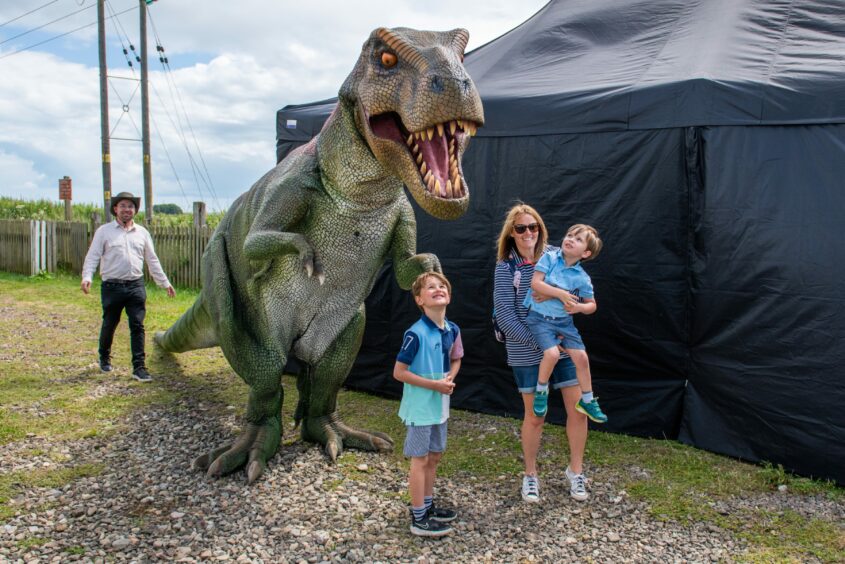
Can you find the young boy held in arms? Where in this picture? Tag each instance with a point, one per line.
(559, 274)
(427, 363)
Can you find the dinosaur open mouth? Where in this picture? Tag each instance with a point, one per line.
(434, 150)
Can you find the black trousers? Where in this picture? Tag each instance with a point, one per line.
(117, 296)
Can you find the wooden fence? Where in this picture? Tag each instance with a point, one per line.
(30, 247)
(27, 247)
(180, 249)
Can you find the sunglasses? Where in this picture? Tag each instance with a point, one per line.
(533, 228)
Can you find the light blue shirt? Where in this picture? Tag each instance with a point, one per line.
(427, 350)
(573, 279)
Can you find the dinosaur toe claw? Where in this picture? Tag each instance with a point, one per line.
(254, 471)
(332, 450)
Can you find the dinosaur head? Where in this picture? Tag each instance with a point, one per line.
(416, 108)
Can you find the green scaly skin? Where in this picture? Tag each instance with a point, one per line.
(288, 268)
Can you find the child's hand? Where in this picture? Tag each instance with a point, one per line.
(573, 307)
(444, 386)
(568, 300)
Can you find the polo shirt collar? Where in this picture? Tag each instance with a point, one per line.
(427, 320)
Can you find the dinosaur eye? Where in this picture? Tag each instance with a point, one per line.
(388, 60)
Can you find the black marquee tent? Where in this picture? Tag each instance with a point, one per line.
(705, 139)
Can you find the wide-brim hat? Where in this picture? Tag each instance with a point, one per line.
(125, 196)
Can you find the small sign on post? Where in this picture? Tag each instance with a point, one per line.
(65, 188)
(66, 194)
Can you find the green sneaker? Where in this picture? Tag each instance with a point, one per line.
(541, 403)
(591, 410)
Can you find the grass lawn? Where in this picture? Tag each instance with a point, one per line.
(51, 388)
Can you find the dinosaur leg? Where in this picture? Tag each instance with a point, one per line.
(259, 440)
(318, 408)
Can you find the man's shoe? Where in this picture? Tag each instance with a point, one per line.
(591, 410)
(530, 489)
(442, 514)
(577, 485)
(105, 366)
(428, 527)
(541, 403)
(142, 375)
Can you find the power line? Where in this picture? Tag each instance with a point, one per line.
(155, 123)
(172, 86)
(66, 16)
(28, 47)
(29, 12)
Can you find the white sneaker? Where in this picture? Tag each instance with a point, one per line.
(530, 489)
(577, 485)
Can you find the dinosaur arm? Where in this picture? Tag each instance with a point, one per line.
(268, 236)
(407, 264)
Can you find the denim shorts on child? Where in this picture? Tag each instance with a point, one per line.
(563, 376)
(546, 330)
(422, 439)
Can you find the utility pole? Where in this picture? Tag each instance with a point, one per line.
(104, 109)
(145, 119)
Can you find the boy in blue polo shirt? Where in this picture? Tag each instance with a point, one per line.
(559, 274)
(427, 363)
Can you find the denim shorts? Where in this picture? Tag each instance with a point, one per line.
(546, 331)
(422, 439)
(563, 376)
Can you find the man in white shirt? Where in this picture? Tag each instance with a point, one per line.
(120, 248)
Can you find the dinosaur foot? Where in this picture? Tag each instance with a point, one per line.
(253, 448)
(330, 431)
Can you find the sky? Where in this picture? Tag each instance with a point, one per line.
(230, 66)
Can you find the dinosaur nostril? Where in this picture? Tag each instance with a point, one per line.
(437, 84)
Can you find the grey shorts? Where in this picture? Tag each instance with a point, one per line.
(422, 439)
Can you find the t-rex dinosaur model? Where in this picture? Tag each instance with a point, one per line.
(289, 266)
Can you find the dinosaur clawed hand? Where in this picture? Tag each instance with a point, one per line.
(330, 431)
(313, 267)
(253, 447)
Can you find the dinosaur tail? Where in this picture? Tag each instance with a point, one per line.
(194, 330)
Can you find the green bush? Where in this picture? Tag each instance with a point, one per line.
(167, 209)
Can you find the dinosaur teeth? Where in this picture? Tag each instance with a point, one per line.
(452, 127)
(449, 193)
(437, 188)
(461, 123)
(416, 148)
(430, 183)
(419, 159)
(456, 185)
(428, 176)
(440, 129)
(423, 168)
(409, 140)
(430, 133)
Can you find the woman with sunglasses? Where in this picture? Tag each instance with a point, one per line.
(522, 241)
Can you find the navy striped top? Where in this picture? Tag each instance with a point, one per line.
(510, 313)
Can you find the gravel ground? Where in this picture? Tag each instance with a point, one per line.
(149, 505)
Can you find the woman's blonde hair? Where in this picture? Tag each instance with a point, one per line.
(506, 242)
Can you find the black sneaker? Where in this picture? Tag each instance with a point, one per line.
(105, 366)
(442, 514)
(142, 375)
(428, 527)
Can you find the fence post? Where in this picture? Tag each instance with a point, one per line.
(199, 214)
(33, 247)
